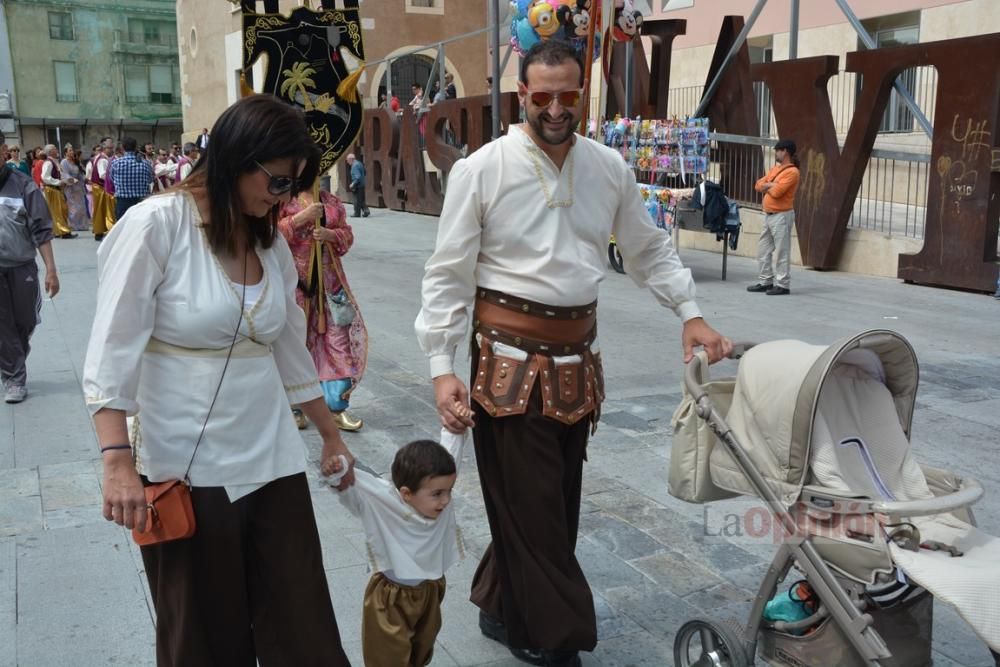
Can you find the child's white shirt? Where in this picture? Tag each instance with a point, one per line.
(403, 544)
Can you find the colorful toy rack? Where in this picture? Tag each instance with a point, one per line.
(672, 146)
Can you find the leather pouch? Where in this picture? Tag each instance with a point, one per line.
(503, 384)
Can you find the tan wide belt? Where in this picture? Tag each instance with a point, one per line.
(532, 326)
(570, 389)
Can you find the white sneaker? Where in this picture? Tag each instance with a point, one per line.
(15, 393)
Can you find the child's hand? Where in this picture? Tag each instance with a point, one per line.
(336, 461)
(462, 411)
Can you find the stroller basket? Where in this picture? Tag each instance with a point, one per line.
(905, 628)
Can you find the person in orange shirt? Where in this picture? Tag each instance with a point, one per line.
(779, 188)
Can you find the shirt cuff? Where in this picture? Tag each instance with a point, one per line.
(688, 311)
(303, 393)
(95, 404)
(442, 364)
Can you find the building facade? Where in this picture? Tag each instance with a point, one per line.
(400, 41)
(86, 69)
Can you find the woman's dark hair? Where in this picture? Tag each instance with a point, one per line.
(256, 129)
(552, 53)
(418, 460)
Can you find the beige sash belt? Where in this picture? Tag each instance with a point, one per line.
(244, 349)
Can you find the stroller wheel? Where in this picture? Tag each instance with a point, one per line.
(706, 643)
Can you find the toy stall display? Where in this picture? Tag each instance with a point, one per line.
(672, 147)
(661, 203)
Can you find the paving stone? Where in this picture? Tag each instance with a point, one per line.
(20, 515)
(676, 572)
(618, 537)
(638, 649)
(69, 486)
(610, 622)
(65, 618)
(603, 569)
(73, 517)
(8, 602)
(626, 421)
(654, 608)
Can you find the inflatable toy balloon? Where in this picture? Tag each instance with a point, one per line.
(627, 21)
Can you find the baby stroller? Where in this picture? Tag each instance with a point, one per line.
(821, 435)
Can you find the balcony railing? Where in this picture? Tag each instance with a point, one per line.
(162, 41)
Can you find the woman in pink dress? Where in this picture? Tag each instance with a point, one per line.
(335, 332)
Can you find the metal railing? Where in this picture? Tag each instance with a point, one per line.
(892, 198)
(843, 91)
(123, 38)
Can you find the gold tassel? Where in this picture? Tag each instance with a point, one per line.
(245, 89)
(348, 88)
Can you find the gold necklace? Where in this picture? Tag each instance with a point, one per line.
(549, 202)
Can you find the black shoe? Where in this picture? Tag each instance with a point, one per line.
(367, 213)
(493, 628)
(760, 287)
(98, 237)
(68, 235)
(562, 658)
(778, 291)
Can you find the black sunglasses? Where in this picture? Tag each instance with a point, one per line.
(278, 185)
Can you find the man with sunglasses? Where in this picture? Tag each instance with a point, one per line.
(521, 241)
(132, 177)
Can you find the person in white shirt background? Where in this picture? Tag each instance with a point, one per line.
(522, 240)
(413, 539)
(197, 332)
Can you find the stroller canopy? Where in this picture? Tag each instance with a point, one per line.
(776, 396)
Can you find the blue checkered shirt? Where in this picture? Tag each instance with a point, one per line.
(132, 176)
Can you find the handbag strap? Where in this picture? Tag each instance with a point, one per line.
(229, 355)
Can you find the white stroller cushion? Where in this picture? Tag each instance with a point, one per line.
(859, 445)
(969, 583)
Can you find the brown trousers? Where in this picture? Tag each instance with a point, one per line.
(531, 470)
(249, 586)
(400, 623)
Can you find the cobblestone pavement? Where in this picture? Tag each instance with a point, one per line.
(72, 589)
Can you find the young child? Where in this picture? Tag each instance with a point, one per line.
(412, 539)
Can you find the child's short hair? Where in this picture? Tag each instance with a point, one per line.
(418, 460)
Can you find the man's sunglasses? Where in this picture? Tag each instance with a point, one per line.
(278, 185)
(567, 98)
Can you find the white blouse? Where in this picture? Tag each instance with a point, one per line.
(514, 222)
(166, 313)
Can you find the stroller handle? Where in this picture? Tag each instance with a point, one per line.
(696, 372)
(969, 491)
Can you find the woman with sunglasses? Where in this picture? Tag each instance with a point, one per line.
(335, 333)
(198, 332)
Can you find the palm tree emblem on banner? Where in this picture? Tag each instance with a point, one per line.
(306, 64)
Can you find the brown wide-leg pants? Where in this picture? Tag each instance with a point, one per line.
(249, 585)
(531, 469)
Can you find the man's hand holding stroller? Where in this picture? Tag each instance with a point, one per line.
(697, 332)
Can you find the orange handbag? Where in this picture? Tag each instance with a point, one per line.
(170, 514)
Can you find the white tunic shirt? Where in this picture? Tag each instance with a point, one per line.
(403, 544)
(166, 314)
(514, 222)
